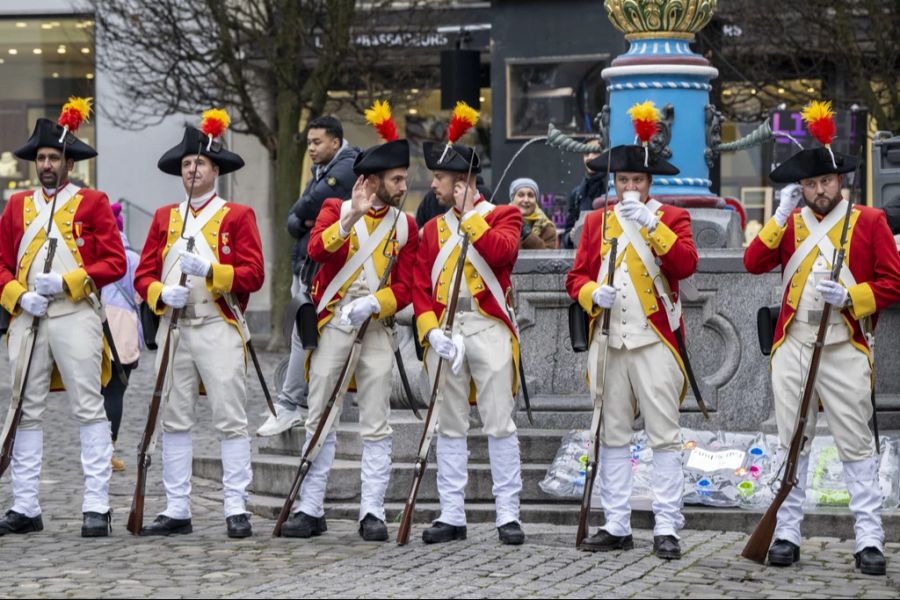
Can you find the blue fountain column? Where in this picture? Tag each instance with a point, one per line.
(666, 71)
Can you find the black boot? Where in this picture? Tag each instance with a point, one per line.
(164, 525)
(783, 553)
(373, 529)
(603, 541)
(666, 547)
(870, 561)
(511, 533)
(239, 526)
(15, 522)
(442, 532)
(96, 524)
(301, 525)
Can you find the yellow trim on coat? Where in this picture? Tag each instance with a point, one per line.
(222, 279)
(772, 233)
(662, 239)
(863, 300)
(425, 323)
(9, 299)
(475, 226)
(331, 237)
(388, 302)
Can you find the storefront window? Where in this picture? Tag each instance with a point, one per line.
(43, 61)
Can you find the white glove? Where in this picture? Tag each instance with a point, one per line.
(34, 304)
(832, 292)
(604, 296)
(48, 284)
(192, 264)
(789, 198)
(443, 345)
(460, 349)
(359, 310)
(175, 296)
(639, 213)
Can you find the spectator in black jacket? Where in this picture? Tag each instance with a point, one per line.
(333, 177)
(429, 208)
(582, 197)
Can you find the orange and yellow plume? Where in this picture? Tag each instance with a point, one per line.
(379, 116)
(645, 117)
(74, 113)
(215, 122)
(820, 121)
(464, 118)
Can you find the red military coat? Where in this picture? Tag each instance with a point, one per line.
(233, 237)
(90, 233)
(671, 243)
(332, 252)
(496, 237)
(871, 254)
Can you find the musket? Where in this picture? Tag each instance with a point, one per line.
(14, 416)
(145, 447)
(328, 414)
(758, 545)
(439, 375)
(590, 473)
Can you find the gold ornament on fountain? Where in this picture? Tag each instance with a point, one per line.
(647, 19)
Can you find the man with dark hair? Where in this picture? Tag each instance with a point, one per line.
(333, 177)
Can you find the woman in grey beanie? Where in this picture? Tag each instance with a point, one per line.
(538, 231)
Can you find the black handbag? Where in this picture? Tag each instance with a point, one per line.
(307, 322)
(578, 328)
(149, 325)
(4, 321)
(766, 320)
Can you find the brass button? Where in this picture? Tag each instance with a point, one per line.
(653, 307)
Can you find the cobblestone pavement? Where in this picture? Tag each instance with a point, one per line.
(59, 563)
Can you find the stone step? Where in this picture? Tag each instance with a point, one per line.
(831, 523)
(272, 475)
(536, 445)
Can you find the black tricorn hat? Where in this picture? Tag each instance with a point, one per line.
(390, 155)
(812, 162)
(46, 134)
(630, 158)
(193, 140)
(456, 160)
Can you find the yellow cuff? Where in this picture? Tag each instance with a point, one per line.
(331, 237)
(863, 301)
(221, 280)
(388, 302)
(771, 234)
(12, 291)
(425, 323)
(153, 294)
(74, 282)
(475, 226)
(662, 239)
(586, 298)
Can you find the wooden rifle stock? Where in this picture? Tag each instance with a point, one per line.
(136, 514)
(590, 473)
(9, 441)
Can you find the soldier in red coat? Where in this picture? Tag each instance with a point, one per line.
(223, 269)
(483, 348)
(354, 242)
(68, 345)
(644, 368)
(801, 238)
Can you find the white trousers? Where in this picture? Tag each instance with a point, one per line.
(74, 341)
(210, 351)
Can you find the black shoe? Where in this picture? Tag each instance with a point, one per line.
(96, 524)
(511, 533)
(164, 525)
(783, 553)
(666, 547)
(870, 561)
(239, 526)
(15, 522)
(373, 529)
(442, 532)
(301, 525)
(603, 541)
